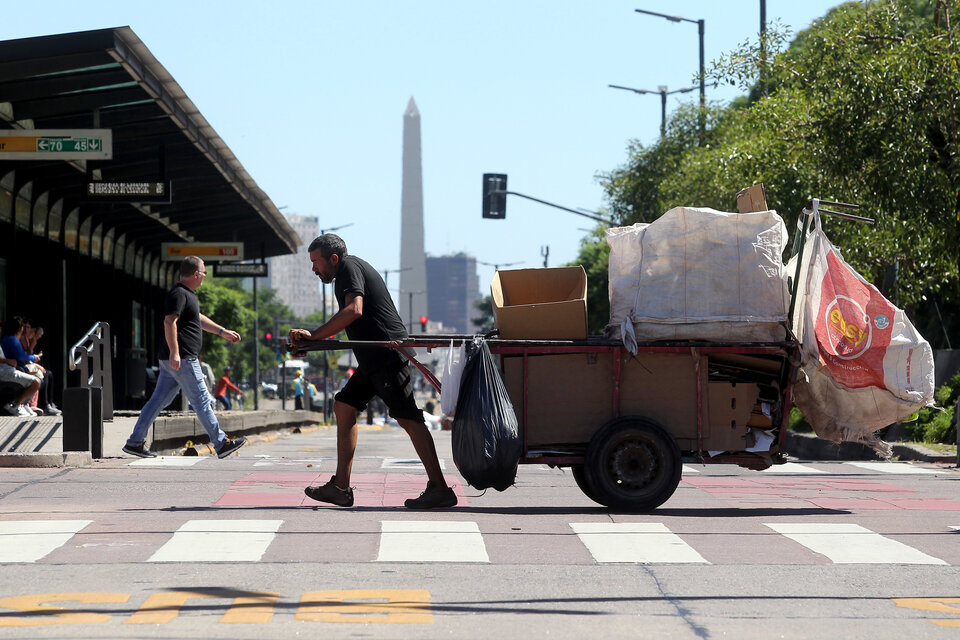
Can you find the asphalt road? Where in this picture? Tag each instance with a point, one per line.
(200, 547)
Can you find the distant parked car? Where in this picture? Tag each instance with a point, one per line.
(269, 390)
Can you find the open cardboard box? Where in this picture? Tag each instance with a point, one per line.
(541, 304)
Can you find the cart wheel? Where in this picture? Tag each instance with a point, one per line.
(580, 475)
(633, 464)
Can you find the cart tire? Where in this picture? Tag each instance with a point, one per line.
(633, 464)
(580, 475)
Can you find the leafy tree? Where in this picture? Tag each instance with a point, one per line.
(226, 302)
(594, 255)
(861, 108)
(485, 320)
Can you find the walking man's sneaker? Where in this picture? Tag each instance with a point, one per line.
(229, 446)
(140, 451)
(433, 497)
(331, 493)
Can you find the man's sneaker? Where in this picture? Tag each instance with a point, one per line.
(140, 451)
(331, 493)
(229, 446)
(433, 497)
(26, 412)
(52, 410)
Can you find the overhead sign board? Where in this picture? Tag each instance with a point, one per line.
(56, 144)
(235, 270)
(127, 191)
(214, 251)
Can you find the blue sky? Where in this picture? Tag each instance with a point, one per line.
(310, 97)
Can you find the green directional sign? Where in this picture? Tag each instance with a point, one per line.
(50, 144)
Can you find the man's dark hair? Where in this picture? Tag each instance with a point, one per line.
(189, 266)
(329, 244)
(12, 326)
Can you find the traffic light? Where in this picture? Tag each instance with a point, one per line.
(423, 324)
(495, 195)
(268, 337)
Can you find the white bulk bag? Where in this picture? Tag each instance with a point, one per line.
(699, 274)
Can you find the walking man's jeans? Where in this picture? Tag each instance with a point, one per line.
(189, 378)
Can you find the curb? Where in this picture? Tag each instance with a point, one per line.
(809, 447)
(39, 460)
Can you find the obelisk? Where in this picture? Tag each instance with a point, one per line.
(412, 298)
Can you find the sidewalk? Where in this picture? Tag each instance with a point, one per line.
(38, 441)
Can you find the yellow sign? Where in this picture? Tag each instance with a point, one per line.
(219, 251)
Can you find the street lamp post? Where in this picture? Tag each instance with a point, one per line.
(662, 90)
(496, 265)
(326, 359)
(703, 86)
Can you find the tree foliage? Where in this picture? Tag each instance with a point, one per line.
(862, 107)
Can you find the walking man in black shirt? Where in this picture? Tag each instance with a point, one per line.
(183, 327)
(367, 312)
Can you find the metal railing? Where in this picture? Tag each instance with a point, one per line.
(91, 356)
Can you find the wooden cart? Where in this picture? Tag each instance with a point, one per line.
(624, 423)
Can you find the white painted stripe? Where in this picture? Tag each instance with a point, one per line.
(643, 542)
(219, 541)
(851, 544)
(791, 467)
(406, 463)
(893, 467)
(688, 469)
(30, 540)
(431, 541)
(167, 461)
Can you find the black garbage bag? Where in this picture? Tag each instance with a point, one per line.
(485, 436)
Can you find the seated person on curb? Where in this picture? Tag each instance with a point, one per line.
(12, 345)
(43, 400)
(30, 384)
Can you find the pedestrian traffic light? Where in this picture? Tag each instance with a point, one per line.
(423, 324)
(495, 195)
(268, 336)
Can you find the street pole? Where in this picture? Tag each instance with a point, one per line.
(703, 87)
(256, 348)
(663, 111)
(763, 47)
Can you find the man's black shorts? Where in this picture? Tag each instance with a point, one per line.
(392, 383)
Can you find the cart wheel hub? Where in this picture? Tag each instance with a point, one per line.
(633, 464)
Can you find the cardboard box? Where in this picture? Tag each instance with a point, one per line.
(752, 199)
(541, 304)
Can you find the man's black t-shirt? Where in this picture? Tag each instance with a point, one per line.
(183, 302)
(380, 320)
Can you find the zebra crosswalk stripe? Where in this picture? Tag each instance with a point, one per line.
(851, 544)
(894, 467)
(219, 541)
(427, 541)
(31, 540)
(637, 542)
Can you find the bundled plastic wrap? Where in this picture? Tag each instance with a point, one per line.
(485, 440)
(863, 364)
(699, 274)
